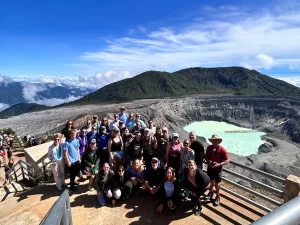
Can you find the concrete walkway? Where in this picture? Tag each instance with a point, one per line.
(31, 206)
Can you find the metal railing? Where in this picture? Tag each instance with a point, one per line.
(60, 213)
(28, 171)
(255, 182)
(287, 214)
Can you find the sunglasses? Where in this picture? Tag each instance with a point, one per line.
(92, 143)
(57, 139)
(121, 170)
(154, 162)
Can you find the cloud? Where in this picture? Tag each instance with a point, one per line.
(56, 101)
(3, 106)
(265, 61)
(229, 36)
(30, 91)
(292, 80)
(138, 29)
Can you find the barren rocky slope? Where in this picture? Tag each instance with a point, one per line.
(279, 117)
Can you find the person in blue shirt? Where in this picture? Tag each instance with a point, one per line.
(72, 156)
(92, 135)
(138, 119)
(103, 139)
(129, 121)
(122, 115)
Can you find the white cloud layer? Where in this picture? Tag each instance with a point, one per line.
(56, 101)
(228, 35)
(292, 80)
(30, 91)
(3, 106)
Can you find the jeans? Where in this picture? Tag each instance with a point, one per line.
(102, 198)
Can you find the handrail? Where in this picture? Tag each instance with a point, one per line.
(271, 176)
(60, 213)
(287, 214)
(280, 192)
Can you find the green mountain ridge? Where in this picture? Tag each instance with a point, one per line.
(22, 108)
(221, 80)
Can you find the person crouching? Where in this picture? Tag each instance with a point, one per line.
(103, 184)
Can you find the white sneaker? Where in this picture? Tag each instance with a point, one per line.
(90, 188)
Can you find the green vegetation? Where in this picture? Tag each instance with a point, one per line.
(8, 131)
(222, 80)
(21, 108)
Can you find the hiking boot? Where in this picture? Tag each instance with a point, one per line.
(198, 212)
(209, 196)
(217, 201)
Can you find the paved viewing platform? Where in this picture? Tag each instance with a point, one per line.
(31, 206)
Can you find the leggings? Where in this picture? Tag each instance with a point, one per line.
(196, 199)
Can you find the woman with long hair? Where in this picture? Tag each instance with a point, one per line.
(196, 182)
(168, 191)
(136, 174)
(115, 148)
(66, 131)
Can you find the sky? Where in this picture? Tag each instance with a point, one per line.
(99, 42)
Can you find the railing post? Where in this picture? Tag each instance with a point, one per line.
(22, 170)
(44, 171)
(16, 178)
(292, 188)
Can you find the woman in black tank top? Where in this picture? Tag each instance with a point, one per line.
(115, 149)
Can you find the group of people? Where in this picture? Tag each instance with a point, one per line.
(125, 156)
(6, 154)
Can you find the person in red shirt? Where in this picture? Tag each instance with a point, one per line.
(216, 157)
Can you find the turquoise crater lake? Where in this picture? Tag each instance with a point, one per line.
(238, 140)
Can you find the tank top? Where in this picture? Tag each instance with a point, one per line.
(116, 146)
(175, 150)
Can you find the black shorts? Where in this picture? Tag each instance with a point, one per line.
(215, 175)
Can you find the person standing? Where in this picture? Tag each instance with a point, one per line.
(216, 157)
(198, 148)
(115, 123)
(72, 156)
(55, 155)
(122, 115)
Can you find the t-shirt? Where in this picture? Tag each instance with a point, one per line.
(113, 124)
(72, 147)
(123, 117)
(186, 157)
(134, 149)
(58, 153)
(154, 177)
(135, 173)
(197, 146)
(218, 155)
(169, 188)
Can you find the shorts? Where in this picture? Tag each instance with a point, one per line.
(215, 175)
(3, 153)
(118, 154)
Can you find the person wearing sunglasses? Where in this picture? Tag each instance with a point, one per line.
(173, 153)
(138, 119)
(88, 126)
(153, 177)
(55, 155)
(121, 187)
(105, 123)
(122, 115)
(114, 123)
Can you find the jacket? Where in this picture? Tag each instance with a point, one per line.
(103, 181)
(91, 157)
(52, 153)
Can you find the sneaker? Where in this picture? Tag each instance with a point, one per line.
(209, 196)
(217, 201)
(197, 212)
(90, 188)
(73, 188)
